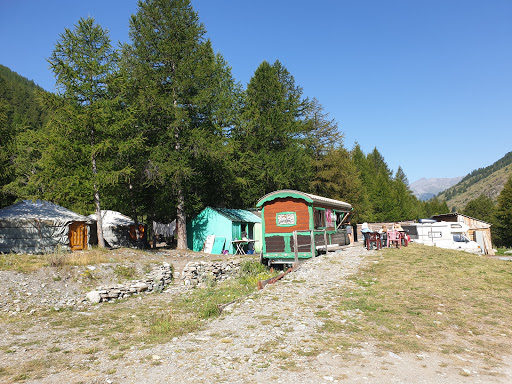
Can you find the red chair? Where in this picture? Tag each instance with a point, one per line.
(394, 237)
(373, 237)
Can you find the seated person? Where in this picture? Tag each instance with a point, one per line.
(384, 234)
(365, 230)
(398, 227)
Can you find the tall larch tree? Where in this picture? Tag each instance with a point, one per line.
(323, 136)
(177, 91)
(78, 135)
(405, 207)
(368, 181)
(380, 190)
(270, 147)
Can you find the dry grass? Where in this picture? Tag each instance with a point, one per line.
(110, 329)
(29, 263)
(21, 263)
(423, 298)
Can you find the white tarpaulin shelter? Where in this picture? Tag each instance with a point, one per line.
(41, 226)
(116, 228)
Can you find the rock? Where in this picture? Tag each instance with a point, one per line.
(94, 297)
(140, 286)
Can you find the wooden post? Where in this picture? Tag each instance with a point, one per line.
(295, 247)
(313, 246)
(325, 240)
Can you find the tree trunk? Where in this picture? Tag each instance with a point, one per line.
(99, 219)
(181, 221)
(134, 215)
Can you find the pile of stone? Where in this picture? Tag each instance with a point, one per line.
(155, 281)
(203, 273)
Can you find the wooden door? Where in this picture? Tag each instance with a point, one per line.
(77, 236)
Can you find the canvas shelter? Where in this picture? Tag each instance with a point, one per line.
(116, 228)
(225, 224)
(40, 227)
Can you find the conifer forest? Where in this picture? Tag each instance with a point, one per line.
(158, 128)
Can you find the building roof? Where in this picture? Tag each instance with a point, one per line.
(336, 204)
(238, 215)
(455, 214)
(113, 218)
(41, 210)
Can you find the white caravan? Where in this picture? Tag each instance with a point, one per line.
(443, 234)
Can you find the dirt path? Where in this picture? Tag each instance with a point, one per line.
(281, 335)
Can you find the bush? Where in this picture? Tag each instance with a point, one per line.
(252, 268)
(58, 258)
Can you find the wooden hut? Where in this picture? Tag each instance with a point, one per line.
(222, 226)
(297, 225)
(479, 231)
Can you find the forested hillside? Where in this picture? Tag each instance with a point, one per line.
(20, 115)
(488, 181)
(159, 129)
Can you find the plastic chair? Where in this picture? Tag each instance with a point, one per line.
(373, 237)
(394, 237)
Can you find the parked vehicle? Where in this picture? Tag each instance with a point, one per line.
(442, 234)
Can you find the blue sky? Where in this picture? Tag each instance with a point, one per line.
(427, 82)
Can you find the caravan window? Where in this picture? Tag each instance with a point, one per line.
(435, 234)
(456, 226)
(319, 218)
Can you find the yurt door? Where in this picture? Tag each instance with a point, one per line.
(77, 236)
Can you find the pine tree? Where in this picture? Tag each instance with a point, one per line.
(270, 142)
(380, 188)
(181, 91)
(337, 178)
(404, 202)
(323, 137)
(21, 120)
(78, 133)
(5, 150)
(481, 208)
(368, 181)
(503, 230)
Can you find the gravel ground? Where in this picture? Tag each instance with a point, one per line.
(276, 335)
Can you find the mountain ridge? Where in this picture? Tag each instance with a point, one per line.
(425, 189)
(488, 181)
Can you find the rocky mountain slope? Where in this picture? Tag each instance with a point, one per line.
(425, 189)
(488, 181)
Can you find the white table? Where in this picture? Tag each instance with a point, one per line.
(238, 245)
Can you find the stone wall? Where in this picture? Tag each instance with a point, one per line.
(155, 281)
(202, 273)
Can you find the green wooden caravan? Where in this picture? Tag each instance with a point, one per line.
(298, 225)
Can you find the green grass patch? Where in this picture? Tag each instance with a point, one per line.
(125, 272)
(420, 298)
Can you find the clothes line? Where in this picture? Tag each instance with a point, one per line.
(166, 230)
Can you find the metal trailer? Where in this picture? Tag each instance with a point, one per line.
(298, 225)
